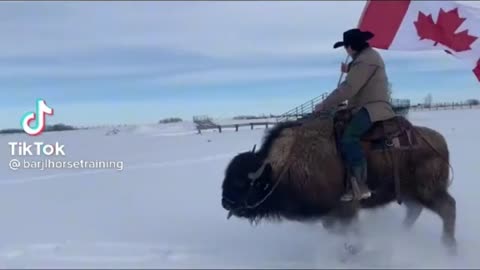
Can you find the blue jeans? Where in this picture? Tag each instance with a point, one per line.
(350, 143)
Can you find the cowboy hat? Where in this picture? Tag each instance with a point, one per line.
(353, 36)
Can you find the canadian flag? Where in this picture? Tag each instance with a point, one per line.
(425, 25)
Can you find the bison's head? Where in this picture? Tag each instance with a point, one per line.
(246, 185)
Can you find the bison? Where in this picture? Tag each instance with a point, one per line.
(298, 174)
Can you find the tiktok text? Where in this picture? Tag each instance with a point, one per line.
(36, 149)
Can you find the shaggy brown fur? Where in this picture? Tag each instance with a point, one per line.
(310, 176)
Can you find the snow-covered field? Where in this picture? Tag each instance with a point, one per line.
(163, 210)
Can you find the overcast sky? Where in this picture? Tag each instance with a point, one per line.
(137, 62)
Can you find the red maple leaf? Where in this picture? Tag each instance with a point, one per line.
(476, 70)
(443, 31)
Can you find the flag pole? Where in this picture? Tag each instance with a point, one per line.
(358, 26)
(341, 72)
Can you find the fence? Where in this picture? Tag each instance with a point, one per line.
(400, 106)
(445, 106)
(236, 126)
(302, 110)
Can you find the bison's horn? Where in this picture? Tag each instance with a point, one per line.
(254, 146)
(230, 214)
(255, 175)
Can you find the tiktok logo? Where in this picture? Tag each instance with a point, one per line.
(39, 117)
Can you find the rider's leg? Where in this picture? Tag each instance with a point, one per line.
(353, 153)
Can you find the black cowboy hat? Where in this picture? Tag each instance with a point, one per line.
(354, 36)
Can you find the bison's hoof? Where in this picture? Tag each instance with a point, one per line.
(351, 249)
(452, 250)
(451, 245)
(408, 224)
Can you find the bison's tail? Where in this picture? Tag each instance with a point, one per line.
(446, 159)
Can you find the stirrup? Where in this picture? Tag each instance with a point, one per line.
(366, 195)
(356, 191)
(347, 197)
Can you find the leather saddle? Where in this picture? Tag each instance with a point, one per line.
(396, 132)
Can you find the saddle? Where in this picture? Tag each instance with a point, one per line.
(396, 132)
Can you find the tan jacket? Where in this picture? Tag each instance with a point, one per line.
(366, 85)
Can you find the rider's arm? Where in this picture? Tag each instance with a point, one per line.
(357, 76)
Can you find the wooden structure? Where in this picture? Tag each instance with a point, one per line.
(236, 126)
(401, 106)
(445, 106)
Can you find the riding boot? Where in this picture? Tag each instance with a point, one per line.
(358, 187)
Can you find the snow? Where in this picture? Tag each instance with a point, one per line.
(163, 209)
(171, 129)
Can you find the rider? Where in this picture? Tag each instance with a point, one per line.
(366, 90)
